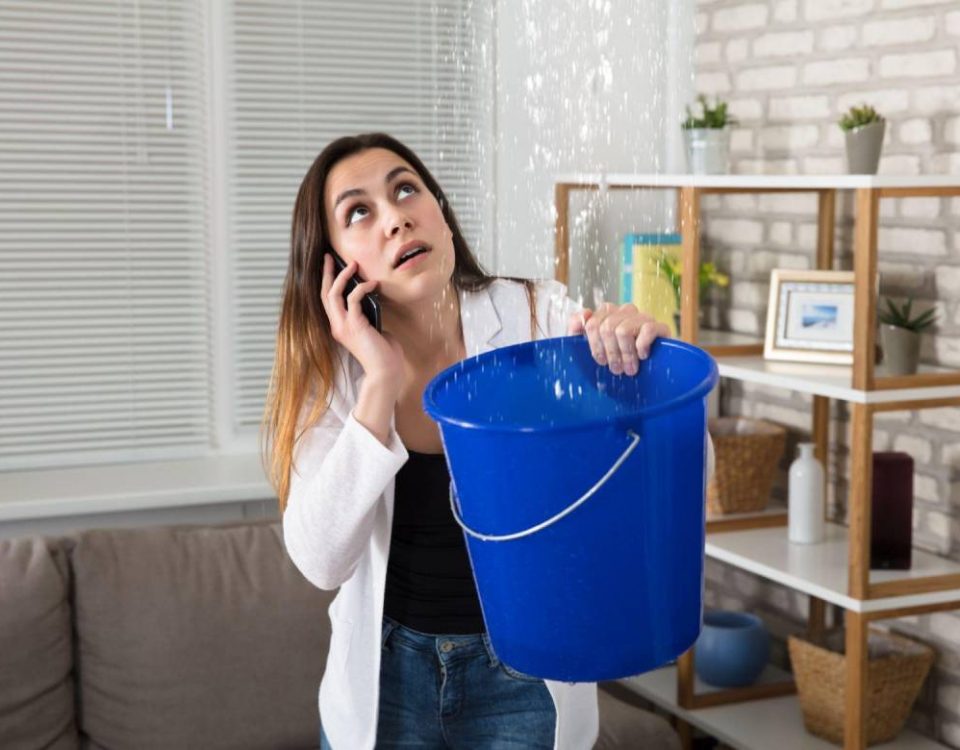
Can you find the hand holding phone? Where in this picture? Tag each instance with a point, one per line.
(370, 304)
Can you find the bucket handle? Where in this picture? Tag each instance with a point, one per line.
(634, 441)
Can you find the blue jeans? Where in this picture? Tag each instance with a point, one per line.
(451, 691)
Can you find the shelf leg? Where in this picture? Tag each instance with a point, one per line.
(686, 733)
(855, 728)
(561, 258)
(685, 679)
(826, 227)
(865, 288)
(816, 619)
(859, 499)
(689, 280)
(821, 438)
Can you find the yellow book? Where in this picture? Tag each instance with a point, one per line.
(641, 281)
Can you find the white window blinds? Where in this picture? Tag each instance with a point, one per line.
(103, 304)
(111, 340)
(305, 73)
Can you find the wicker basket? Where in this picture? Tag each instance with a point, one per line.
(896, 669)
(748, 452)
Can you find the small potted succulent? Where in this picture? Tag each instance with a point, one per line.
(707, 137)
(900, 336)
(863, 128)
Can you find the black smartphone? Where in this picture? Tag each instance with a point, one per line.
(370, 304)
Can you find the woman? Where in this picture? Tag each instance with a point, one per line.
(359, 469)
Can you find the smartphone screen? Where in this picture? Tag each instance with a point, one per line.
(370, 304)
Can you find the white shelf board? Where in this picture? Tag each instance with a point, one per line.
(821, 570)
(768, 181)
(770, 510)
(832, 381)
(753, 725)
(48, 493)
(711, 337)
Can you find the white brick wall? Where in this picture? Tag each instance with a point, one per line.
(953, 23)
(799, 108)
(915, 131)
(905, 241)
(837, 38)
(786, 10)
(781, 232)
(741, 17)
(896, 4)
(746, 109)
(920, 448)
(936, 99)
(888, 101)
(827, 10)
(766, 79)
(708, 52)
(830, 72)
(898, 31)
(948, 284)
(790, 68)
(951, 131)
(785, 44)
(919, 64)
(713, 83)
(737, 50)
(789, 137)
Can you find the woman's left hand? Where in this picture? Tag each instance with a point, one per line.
(619, 335)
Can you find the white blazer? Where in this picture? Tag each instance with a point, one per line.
(339, 517)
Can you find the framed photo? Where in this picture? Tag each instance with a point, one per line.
(810, 317)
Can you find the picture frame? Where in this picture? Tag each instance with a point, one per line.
(810, 317)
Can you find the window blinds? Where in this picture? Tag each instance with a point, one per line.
(103, 304)
(305, 73)
(108, 331)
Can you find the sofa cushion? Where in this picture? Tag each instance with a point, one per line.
(36, 686)
(196, 637)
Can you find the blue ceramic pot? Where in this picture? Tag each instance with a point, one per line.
(732, 649)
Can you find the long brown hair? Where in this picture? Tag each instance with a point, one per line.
(304, 364)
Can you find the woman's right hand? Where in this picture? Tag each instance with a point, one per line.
(380, 355)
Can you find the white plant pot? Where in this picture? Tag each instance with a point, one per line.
(708, 150)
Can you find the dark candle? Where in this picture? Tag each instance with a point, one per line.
(891, 527)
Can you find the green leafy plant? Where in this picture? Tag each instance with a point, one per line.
(672, 269)
(713, 118)
(900, 316)
(857, 117)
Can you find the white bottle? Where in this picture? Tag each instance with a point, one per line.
(805, 497)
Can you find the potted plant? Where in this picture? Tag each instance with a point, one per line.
(864, 128)
(672, 269)
(707, 137)
(900, 336)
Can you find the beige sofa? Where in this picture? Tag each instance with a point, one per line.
(178, 638)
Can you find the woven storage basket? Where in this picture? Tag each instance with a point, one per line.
(747, 454)
(896, 669)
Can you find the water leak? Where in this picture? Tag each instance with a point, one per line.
(592, 88)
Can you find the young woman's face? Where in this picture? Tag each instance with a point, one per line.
(378, 210)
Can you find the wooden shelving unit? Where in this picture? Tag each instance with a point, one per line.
(779, 725)
(837, 571)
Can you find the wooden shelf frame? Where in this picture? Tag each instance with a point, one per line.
(776, 723)
(868, 192)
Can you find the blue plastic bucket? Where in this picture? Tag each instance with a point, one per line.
(582, 497)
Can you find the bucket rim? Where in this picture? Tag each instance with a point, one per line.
(700, 390)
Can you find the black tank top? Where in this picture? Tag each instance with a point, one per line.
(430, 586)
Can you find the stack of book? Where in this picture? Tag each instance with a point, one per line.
(643, 281)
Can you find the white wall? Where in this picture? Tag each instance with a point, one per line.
(585, 87)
